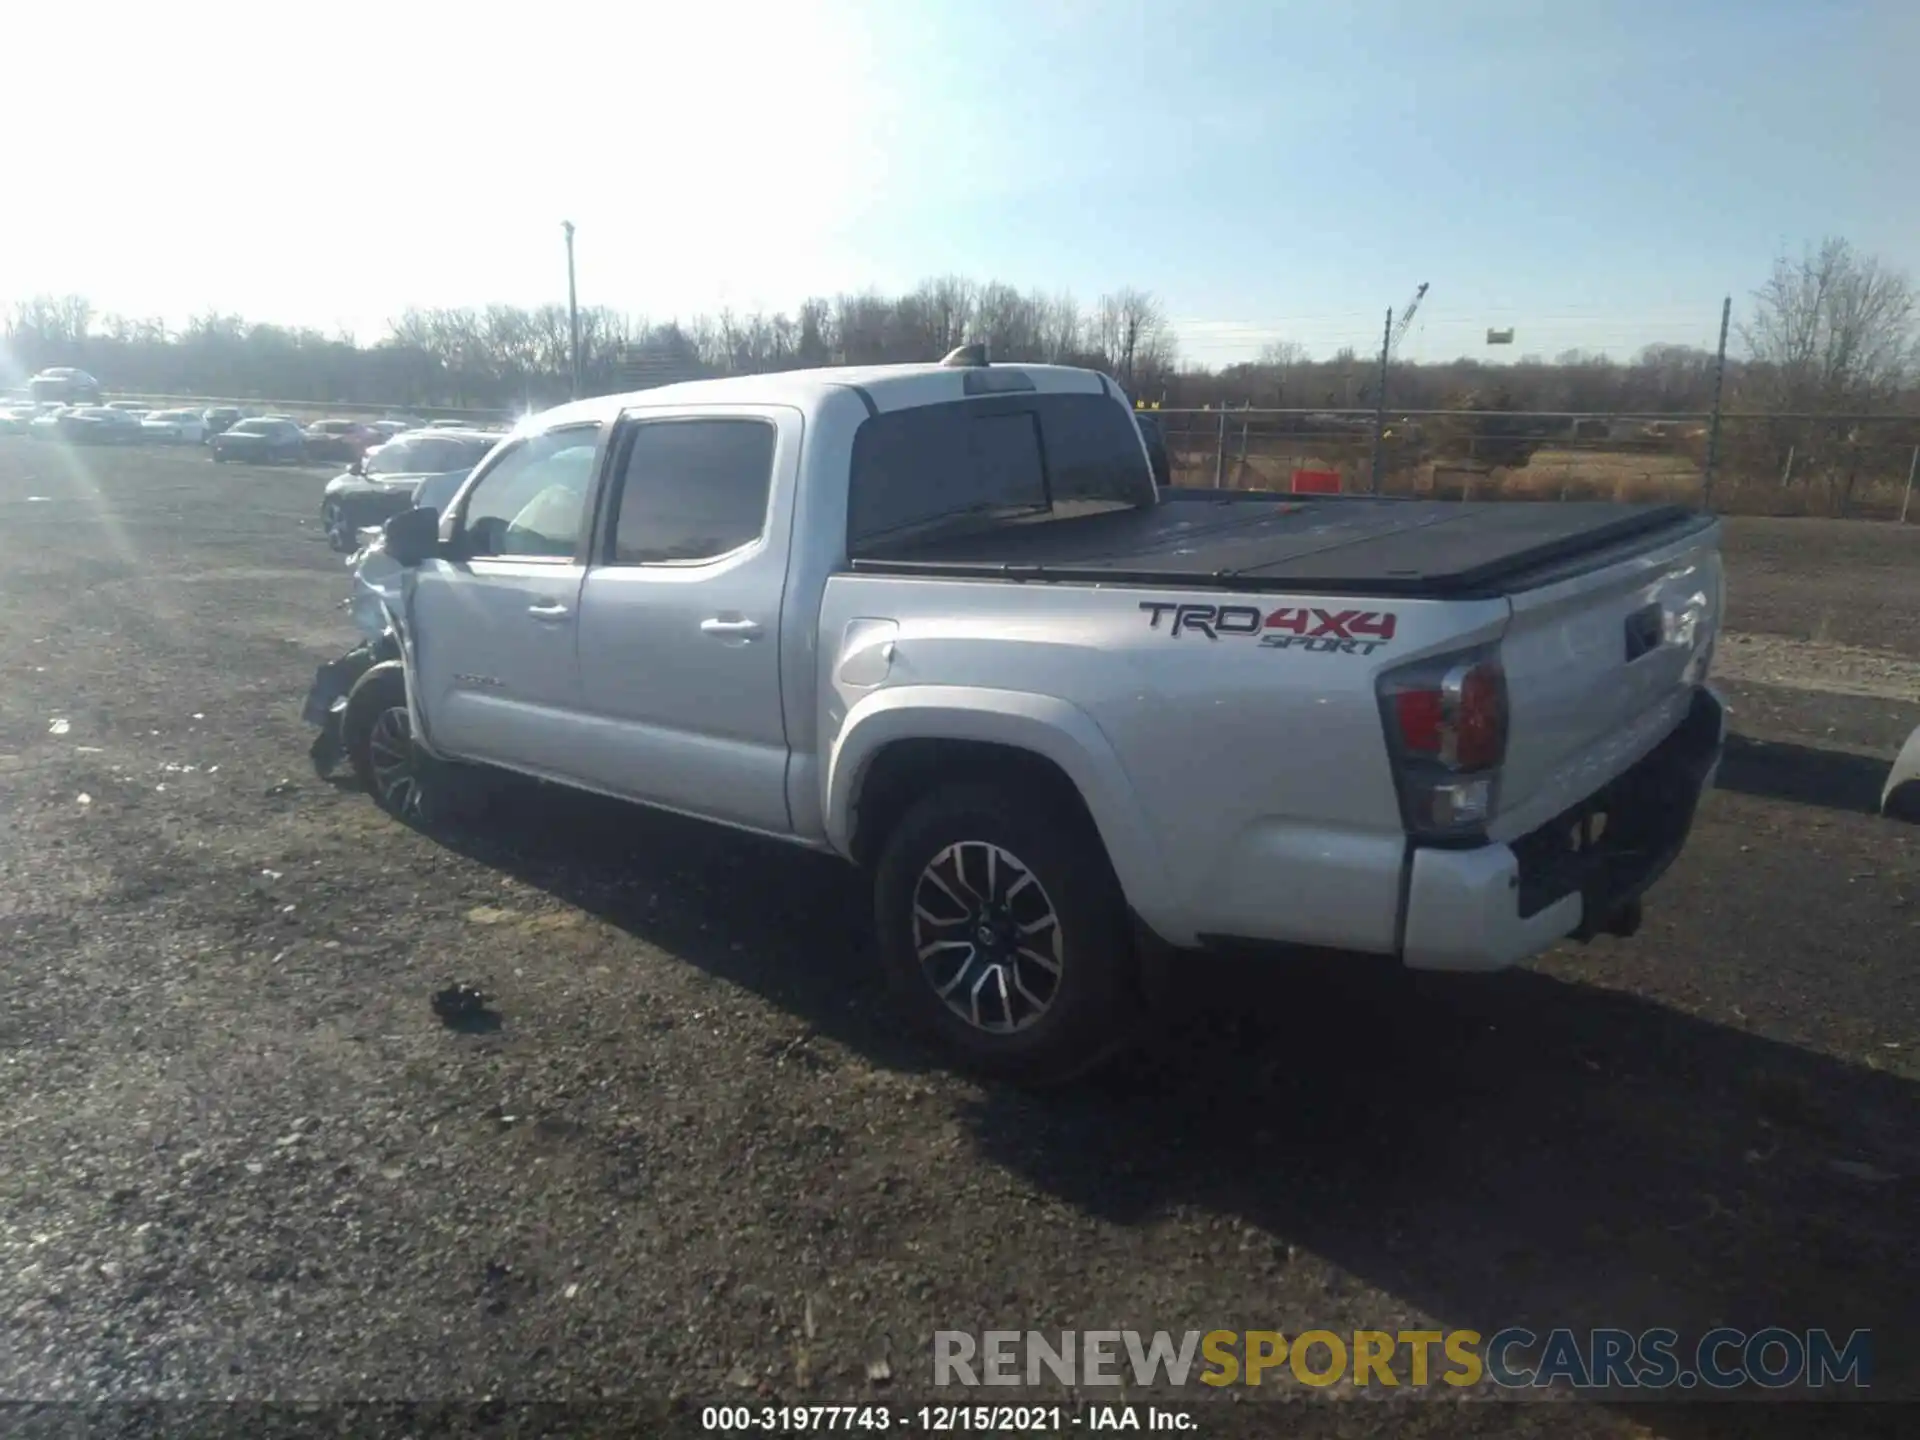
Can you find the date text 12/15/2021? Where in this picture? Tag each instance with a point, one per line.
(946, 1419)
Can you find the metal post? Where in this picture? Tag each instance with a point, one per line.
(1713, 429)
(1907, 499)
(1220, 454)
(573, 312)
(1380, 403)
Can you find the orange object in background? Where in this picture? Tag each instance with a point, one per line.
(1316, 482)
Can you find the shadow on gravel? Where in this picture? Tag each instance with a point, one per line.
(1802, 774)
(1497, 1150)
(1513, 1150)
(785, 923)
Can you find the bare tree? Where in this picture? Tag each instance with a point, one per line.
(1832, 331)
(1132, 335)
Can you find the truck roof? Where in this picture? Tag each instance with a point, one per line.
(887, 387)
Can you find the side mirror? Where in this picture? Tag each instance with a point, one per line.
(412, 536)
(359, 465)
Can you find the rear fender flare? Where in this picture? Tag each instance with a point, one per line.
(1045, 725)
(1901, 796)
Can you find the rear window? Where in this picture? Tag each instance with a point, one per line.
(996, 459)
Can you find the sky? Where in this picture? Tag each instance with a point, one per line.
(1596, 175)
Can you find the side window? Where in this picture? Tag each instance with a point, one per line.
(691, 490)
(533, 503)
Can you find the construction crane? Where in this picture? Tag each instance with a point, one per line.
(1369, 392)
(1405, 322)
(1395, 334)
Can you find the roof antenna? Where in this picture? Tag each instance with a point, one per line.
(966, 357)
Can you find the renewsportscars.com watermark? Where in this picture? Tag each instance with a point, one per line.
(1514, 1358)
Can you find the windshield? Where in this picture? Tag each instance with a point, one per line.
(425, 455)
(255, 427)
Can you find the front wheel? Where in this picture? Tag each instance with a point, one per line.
(1004, 934)
(377, 733)
(376, 730)
(334, 521)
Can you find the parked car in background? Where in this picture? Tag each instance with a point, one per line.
(264, 440)
(220, 417)
(391, 428)
(101, 425)
(64, 385)
(395, 476)
(175, 427)
(88, 425)
(447, 425)
(46, 424)
(341, 439)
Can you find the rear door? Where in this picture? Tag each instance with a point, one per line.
(494, 634)
(1600, 668)
(680, 614)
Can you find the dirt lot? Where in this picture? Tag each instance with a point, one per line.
(696, 1162)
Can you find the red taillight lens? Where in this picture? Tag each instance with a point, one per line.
(1461, 721)
(1421, 715)
(1480, 719)
(1446, 720)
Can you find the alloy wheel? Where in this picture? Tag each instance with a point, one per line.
(395, 764)
(987, 936)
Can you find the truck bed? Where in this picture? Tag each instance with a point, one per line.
(1243, 540)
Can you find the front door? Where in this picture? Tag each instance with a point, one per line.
(495, 634)
(680, 615)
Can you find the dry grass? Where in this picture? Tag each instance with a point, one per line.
(1629, 476)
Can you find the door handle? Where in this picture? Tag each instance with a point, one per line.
(549, 612)
(730, 629)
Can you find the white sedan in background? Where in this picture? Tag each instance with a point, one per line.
(185, 427)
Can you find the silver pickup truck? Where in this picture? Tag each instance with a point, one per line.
(940, 620)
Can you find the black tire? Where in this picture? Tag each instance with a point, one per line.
(377, 733)
(1903, 803)
(1087, 1008)
(339, 533)
(376, 723)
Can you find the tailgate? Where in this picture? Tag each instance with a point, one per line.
(1600, 667)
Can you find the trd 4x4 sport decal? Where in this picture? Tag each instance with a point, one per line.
(1291, 627)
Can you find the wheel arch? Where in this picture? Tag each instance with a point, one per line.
(899, 742)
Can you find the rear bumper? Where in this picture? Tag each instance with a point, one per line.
(1493, 906)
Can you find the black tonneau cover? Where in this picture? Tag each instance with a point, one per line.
(1264, 541)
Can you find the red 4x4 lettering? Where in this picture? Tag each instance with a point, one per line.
(1376, 623)
(1341, 625)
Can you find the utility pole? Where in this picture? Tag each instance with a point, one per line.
(1380, 402)
(1713, 427)
(573, 312)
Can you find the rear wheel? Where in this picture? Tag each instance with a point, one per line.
(1004, 934)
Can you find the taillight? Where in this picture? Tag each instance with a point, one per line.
(1446, 724)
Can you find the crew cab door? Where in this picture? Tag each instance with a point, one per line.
(680, 613)
(494, 630)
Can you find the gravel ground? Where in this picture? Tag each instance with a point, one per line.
(689, 1157)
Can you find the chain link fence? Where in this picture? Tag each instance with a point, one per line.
(1842, 466)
